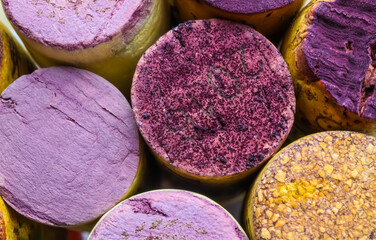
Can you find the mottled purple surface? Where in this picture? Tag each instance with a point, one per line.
(248, 6)
(69, 146)
(213, 98)
(75, 24)
(167, 214)
(340, 49)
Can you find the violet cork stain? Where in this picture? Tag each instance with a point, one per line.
(167, 214)
(70, 148)
(340, 50)
(218, 96)
(248, 6)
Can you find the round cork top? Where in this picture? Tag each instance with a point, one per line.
(213, 98)
(340, 50)
(320, 187)
(248, 6)
(69, 146)
(168, 214)
(75, 24)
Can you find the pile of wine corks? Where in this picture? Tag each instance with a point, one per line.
(121, 123)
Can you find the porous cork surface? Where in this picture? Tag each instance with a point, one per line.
(75, 24)
(69, 146)
(321, 187)
(340, 49)
(2, 227)
(167, 214)
(248, 6)
(213, 98)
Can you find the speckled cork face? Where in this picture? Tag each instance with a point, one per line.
(69, 146)
(74, 24)
(213, 98)
(340, 50)
(248, 6)
(167, 214)
(320, 187)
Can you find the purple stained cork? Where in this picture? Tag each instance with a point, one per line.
(213, 98)
(168, 214)
(340, 50)
(75, 24)
(69, 146)
(248, 6)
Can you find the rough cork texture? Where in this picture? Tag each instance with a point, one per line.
(213, 98)
(75, 24)
(346, 63)
(2, 227)
(320, 187)
(168, 214)
(248, 6)
(69, 146)
(330, 50)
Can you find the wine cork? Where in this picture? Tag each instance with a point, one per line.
(213, 99)
(15, 227)
(14, 61)
(330, 50)
(322, 186)
(267, 17)
(70, 146)
(105, 37)
(168, 214)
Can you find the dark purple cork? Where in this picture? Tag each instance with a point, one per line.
(75, 24)
(340, 49)
(69, 146)
(213, 98)
(248, 6)
(168, 214)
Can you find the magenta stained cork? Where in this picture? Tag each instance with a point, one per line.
(104, 36)
(213, 99)
(69, 146)
(168, 214)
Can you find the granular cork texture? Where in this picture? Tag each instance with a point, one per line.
(340, 49)
(2, 227)
(168, 214)
(320, 187)
(248, 6)
(69, 146)
(75, 24)
(213, 98)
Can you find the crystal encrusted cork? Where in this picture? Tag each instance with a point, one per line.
(320, 187)
(331, 53)
(168, 214)
(213, 99)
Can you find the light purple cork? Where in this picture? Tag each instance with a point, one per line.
(213, 98)
(75, 24)
(248, 6)
(69, 146)
(168, 214)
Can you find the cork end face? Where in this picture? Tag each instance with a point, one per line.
(340, 52)
(212, 105)
(74, 24)
(320, 186)
(248, 6)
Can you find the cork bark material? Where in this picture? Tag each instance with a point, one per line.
(70, 146)
(168, 214)
(320, 187)
(213, 98)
